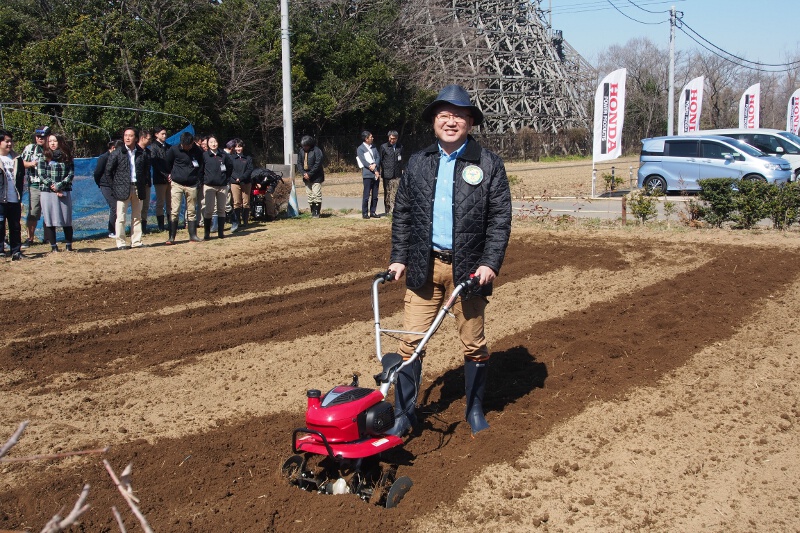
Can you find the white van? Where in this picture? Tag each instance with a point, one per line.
(773, 142)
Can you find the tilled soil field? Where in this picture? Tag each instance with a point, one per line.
(639, 381)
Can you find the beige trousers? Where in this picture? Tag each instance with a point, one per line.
(422, 305)
(136, 221)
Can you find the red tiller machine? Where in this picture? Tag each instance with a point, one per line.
(339, 451)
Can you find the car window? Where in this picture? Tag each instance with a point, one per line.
(791, 136)
(714, 150)
(788, 148)
(682, 148)
(765, 143)
(746, 148)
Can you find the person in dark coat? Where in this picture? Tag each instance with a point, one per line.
(128, 170)
(185, 167)
(309, 167)
(158, 159)
(217, 169)
(241, 183)
(104, 184)
(391, 154)
(452, 218)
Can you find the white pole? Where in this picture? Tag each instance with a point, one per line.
(288, 127)
(671, 103)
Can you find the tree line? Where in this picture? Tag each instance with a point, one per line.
(217, 64)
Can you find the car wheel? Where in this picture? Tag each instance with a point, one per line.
(755, 177)
(655, 184)
(796, 175)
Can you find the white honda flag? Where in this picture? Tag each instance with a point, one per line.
(609, 115)
(793, 113)
(749, 107)
(689, 106)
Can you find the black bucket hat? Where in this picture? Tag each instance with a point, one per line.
(457, 96)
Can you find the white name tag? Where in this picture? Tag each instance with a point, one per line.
(195, 164)
(222, 167)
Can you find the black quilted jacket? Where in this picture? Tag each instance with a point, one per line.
(481, 214)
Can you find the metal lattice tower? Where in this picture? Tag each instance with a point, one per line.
(504, 53)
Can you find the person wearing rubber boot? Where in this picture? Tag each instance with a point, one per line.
(451, 218)
(309, 167)
(185, 167)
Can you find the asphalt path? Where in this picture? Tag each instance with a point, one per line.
(604, 208)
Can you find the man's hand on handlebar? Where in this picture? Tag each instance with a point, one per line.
(485, 275)
(399, 269)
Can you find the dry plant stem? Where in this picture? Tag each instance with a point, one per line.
(57, 524)
(52, 456)
(128, 497)
(118, 517)
(14, 439)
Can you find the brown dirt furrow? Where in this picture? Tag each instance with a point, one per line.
(140, 297)
(144, 342)
(720, 432)
(225, 479)
(229, 277)
(259, 379)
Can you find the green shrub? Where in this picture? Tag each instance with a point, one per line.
(783, 204)
(718, 194)
(750, 202)
(643, 206)
(612, 181)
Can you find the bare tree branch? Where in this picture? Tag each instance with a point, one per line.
(118, 517)
(127, 492)
(53, 455)
(14, 439)
(57, 523)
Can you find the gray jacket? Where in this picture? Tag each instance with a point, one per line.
(367, 155)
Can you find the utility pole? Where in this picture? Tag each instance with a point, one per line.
(288, 125)
(671, 103)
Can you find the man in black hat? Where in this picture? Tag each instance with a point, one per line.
(451, 218)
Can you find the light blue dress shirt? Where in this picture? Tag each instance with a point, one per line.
(443, 200)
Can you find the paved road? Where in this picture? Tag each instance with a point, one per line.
(602, 208)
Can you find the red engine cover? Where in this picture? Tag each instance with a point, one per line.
(336, 415)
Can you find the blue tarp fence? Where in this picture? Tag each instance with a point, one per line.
(89, 208)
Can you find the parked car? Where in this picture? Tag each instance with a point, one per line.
(772, 142)
(676, 163)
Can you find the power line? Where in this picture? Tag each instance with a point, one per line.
(630, 17)
(600, 5)
(647, 10)
(703, 45)
(758, 63)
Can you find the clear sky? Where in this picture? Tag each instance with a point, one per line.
(758, 30)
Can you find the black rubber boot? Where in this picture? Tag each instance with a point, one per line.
(221, 228)
(236, 216)
(405, 398)
(475, 373)
(191, 226)
(173, 232)
(160, 220)
(315, 210)
(245, 216)
(206, 229)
